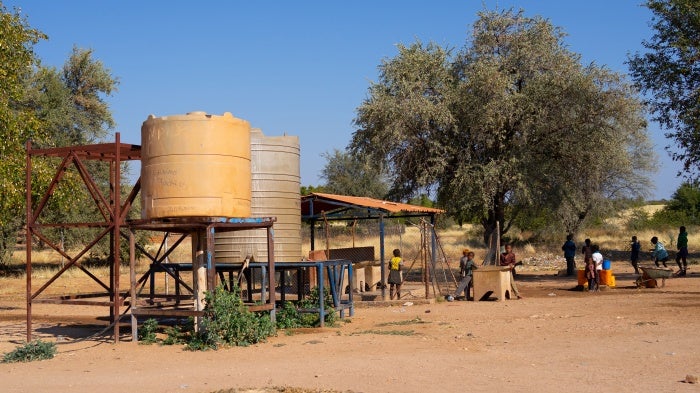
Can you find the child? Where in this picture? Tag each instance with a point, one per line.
(466, 265)
(636, 246)
(587, 250)
(508, 259)
(395, 278)
(597, 259)
(682, 254)
(659, 252)
(590, 274)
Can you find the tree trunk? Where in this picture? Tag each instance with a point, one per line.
(495, 214)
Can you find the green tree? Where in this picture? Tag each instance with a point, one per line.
(17, 123)
(669, 72)
(511, 124)
(686, 201)
(306, 190)
(347, 174)
(71, 104)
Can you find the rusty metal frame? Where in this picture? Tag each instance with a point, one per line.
(190, 226)
(110, 207)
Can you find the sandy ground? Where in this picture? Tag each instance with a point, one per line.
(623, 340)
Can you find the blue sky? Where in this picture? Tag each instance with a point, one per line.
(300, 67)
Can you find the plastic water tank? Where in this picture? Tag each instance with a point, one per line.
(195, 165)
(275, 193)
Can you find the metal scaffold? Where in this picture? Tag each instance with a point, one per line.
(111, 210)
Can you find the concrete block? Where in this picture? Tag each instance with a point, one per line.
(495, 279)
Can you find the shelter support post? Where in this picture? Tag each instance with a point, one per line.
(29, 241)
(381, 255)
(132, 280)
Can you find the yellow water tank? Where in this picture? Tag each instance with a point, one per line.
(195, 165)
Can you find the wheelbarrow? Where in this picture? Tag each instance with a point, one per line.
(651, 274)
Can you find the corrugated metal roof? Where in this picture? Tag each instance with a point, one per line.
(364, 202)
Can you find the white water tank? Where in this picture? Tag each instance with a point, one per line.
(275, 183)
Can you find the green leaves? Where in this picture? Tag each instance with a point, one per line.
(512, 124)
(669, 73)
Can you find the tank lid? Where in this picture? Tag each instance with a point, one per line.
(193, 116)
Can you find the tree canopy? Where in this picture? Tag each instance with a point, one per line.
(511, 126)
(346, 174)
(17, 123)
(670, 74)
(51, 108)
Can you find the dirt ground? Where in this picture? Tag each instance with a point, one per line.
(555, 339)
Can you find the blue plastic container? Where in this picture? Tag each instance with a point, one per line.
(606, 264)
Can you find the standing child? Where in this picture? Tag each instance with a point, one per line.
(587, 250)
(682, 251)
(569, 249)
(636, 246)
(659, 252)
(597, 259)
(395, 277)
(590, 274)
(508, 259)
(466, 265)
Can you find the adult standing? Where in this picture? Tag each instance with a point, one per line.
(569, 249)
(508, 259)
(682, 254)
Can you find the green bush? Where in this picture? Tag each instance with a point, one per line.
(228, 321)
(288, 317)
(147, 332)
(35, 350)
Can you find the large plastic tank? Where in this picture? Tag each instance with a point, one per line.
(195, 165)
(275, 182)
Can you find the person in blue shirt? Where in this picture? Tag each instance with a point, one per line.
(659, 252)
(569, 249)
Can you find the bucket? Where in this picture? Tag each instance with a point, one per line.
(606, 264)
(605, 277)
(581, 276)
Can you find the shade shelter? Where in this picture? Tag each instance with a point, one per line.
(332, 207)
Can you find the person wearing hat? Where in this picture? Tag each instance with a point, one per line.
(466, 265)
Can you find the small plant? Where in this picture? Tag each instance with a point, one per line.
(29, 352)
(288, 317)
(311, 320)
(228, 321)
(174, 335)
(388, 332)
(414, 321)
(147, 332)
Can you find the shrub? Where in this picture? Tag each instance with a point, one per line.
(147, 332)
(228, 321)
(35, 350)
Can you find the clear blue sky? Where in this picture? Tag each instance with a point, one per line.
(300, 67)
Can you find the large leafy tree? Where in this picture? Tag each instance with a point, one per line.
(71, 104)
(513, 125)
(17, 123)
(347, 174)
(670, 73)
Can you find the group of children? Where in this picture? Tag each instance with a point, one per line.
(591, 254)
(660, 254)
